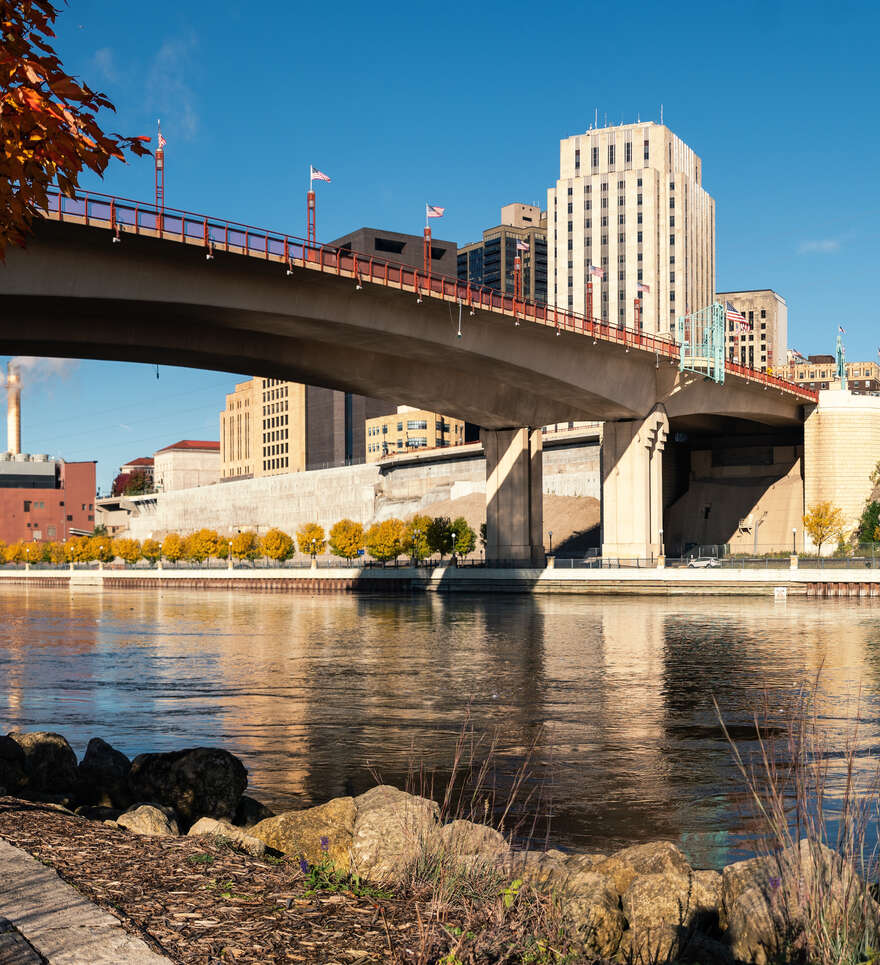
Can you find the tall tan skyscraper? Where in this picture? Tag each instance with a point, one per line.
(630, 200)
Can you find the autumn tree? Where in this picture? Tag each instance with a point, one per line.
(101, 549)
(57, 553)
(310, 539)
(201, 545)
(78, 549)
(464, 538)
(151, 550)
(49, 131)
(245, 545)
(384, 541)
(415, 538)
(2, 551)
(172, 547)
(346, 539)
(440, 535)
(823, 521)
(15, 552)
(276, 545)
(127, 549)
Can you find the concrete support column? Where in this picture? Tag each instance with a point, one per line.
(514, 495)
(632, 486)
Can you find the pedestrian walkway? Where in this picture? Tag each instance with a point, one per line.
(45, 920)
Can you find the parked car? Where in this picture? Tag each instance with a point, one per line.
(703, 562)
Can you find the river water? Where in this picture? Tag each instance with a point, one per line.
(318, 693)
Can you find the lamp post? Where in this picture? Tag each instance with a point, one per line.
(550, 534)
(793, 541)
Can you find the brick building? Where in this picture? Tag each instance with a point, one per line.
(44, 499)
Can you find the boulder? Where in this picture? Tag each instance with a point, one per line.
(49, 761)
(543, 870)
(12, 764)
(390, 832)
(658, 857)
(666, 910)
(228, 832)
(466, 842)
(148, 819)
(250, 812)
(197, 782)
(102, 776)
(316, 834)
(591, 909)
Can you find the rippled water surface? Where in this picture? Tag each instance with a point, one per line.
(315, 692)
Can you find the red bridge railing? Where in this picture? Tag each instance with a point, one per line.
(122, 216)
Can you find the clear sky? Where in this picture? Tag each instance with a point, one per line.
(463, 105)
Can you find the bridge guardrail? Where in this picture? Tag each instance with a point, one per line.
(121, 215)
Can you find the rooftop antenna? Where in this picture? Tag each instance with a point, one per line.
(596, 124)
(638, 118)
(606, 118)
(661, 115)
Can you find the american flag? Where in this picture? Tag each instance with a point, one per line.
(734, 316)
(598, 272)
(434, 211)
(522, 245)
(841, 329)
(643, 288)
(316, 175)
(162, 141)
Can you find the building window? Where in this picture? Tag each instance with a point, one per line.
(639, 275)
(639, 218)
(621, 219)
(604, 239)
(763, 313)
(577, 157)
(672, 185)
(672, 277)
(587, 222)
(672, 296)
(27, 505)
(595, 157)
(672, 221)
(604, 202)
(647, 152)
(639, 237)
(672, 240)
(587, 205)
(621, 275)
(621, 238)
(620, 201)
(628, 152)
(604, 221)
(610, 155)
(569, 190)
(570, 224)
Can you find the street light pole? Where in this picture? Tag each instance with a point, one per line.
(550, 534)
(793, 541)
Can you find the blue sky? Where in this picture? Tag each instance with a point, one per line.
(464, 105)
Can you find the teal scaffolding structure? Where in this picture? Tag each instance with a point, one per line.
(700, 337)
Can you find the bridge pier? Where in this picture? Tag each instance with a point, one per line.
(632, 486)
(514, 495)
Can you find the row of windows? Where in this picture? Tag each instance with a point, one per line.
(612, 153)
(281, 463)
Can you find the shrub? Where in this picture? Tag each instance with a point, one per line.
(172, 547)
(346, 538)
(311, 540)
(384, 541)
(276, 545)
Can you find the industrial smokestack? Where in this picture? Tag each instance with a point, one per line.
(13, 409)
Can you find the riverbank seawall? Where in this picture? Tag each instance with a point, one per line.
(452, 579)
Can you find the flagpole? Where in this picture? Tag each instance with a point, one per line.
(311, 230)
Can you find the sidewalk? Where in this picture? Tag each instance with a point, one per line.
(43, 919)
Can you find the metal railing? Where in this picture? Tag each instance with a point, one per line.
(122, 215)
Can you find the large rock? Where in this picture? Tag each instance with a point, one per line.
(197, 782)
(665, 911)
(467, 842)
(147, 819)
(250, 812)
(12, 763)
(658, 857)
(228, 832)
(590, 906)
(103, 776)
(316, 834)
(49, 761)
(390, 832)
(542, 870)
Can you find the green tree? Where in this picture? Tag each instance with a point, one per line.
(245, 545)
(465, 539)
(484, 535)
(415, 538)
(440, 535)
(48, 121)
(172, 547)
(127, 549)
(311, 539)
(869, 522)
(384, 541)
(276, 545)
(151, 550)
(346, 539)
(824, 521)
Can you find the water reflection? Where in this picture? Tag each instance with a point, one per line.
(316, 692)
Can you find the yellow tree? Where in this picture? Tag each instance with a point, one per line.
(310, 539)
(824, 521)
(2, 551)
(101, 549)
(384, 540)
(415, 538)
(172, 547)
(151, 550)
(48, 126)
(78, 549)
(201, 545)
(245, 545)
(57, 553)
(15, 552)
(127, 549)
(346, 539)
(277, 545)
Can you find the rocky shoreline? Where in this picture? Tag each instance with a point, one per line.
(642, 904)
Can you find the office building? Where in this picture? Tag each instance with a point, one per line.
(186, 465)
(490, 262)
(271, 426)
(820, 372)
(630, 201)
(409, 429)
(764, 344)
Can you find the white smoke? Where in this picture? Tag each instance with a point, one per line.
(32, 369)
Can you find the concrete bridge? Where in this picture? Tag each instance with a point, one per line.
(109, 279)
